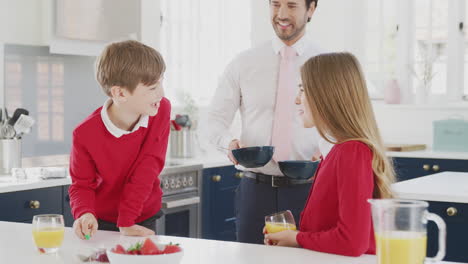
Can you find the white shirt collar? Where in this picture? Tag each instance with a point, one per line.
(114, 130)
(300, 46)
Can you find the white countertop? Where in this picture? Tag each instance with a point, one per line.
(429, 154)
(214, 159)
(17, 246)
(441, 187)
(11, 184)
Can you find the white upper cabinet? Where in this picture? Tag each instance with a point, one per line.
(78, 27)
(97, 20)
(24, 22)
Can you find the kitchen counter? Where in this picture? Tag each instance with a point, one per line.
(215, 159)
(17, 246)
(11, 184)
(439, 187)
(429, 154)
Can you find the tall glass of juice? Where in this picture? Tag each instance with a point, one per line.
(48, 232)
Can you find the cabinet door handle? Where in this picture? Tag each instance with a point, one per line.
(435, 168)
(239, 175)
(452, 211)
(216, 178)
(426, 167)
(34, 204)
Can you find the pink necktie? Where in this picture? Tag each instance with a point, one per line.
(283, 121)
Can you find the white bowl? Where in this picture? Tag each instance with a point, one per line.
(172, 258)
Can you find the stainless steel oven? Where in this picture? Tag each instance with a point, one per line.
(181, 201)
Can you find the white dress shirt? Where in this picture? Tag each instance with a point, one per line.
(249, 84)
(113, 129)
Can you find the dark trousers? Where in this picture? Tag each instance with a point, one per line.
(149, 223)
(254, 201)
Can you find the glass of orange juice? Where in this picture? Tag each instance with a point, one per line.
(48, 232)
(279, 222)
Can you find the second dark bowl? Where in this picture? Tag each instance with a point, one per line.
(298, 169)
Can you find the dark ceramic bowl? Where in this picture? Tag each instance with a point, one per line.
(298, 169)
(253, 157)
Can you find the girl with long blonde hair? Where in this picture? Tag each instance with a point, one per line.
(337, 216)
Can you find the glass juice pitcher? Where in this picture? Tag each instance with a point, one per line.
(401, 233)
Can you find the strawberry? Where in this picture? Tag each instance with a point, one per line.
(149, 248)
(171, 248)
(119, 249)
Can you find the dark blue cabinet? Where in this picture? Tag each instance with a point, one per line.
(410, 168)
(67, 215)
(21, 206)
(455, 216)
(218, 213)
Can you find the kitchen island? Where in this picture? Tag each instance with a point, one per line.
(17, 246)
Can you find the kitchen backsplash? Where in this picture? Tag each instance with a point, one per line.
(58, 90)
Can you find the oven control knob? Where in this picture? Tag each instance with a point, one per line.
(184, 182)
(173, 184)
(166, 184)
(190, 181)
(178, 184)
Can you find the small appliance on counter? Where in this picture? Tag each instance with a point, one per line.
(181, 144)
(450, 135)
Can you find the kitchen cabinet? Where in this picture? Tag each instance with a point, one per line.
(218, 212)
(21, 206)
(455, 216)
(410, 168)
(86, 27)
(25, 22)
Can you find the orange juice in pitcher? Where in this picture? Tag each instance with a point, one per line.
(400, 228)
(401, 247)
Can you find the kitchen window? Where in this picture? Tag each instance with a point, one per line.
(198, 39)
(420, 42)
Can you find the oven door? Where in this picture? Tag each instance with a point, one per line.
(181, 216)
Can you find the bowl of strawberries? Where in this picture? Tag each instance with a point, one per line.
(146, 252)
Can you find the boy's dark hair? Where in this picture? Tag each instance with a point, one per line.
(128, 63)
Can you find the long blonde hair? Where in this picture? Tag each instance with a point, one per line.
(336, 92)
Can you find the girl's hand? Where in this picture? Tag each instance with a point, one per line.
(284, 238)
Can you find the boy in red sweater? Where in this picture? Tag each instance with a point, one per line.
(119, 150)
(337, 217)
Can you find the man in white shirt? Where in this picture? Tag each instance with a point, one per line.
(262, 82)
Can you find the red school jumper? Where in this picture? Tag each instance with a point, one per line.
(337, 217)
(117, 179)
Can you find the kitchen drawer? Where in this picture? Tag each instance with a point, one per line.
(17, 206)
(455, 216)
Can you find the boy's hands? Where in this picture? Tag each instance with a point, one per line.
(85, 225)
(136, 230)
